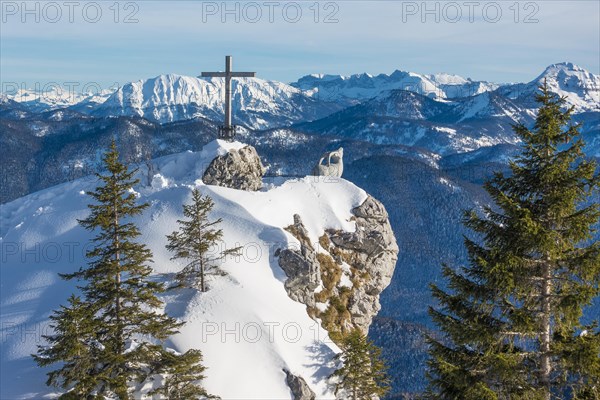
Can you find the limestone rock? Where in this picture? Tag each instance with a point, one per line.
(298, 387)
(330, 164)
(300, 265)
(370, 252)
(238, 169)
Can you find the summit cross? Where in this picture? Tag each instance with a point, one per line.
(227, 131)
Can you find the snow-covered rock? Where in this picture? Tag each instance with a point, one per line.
(298, 387)
(240, 168)
(351, 268)
(246, 325)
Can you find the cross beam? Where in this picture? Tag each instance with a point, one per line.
(227, 131)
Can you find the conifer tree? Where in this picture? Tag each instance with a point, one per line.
(511, 319)
(117, 322)
(74, 344)
(196, 241)
(183, 375)
(363, 372)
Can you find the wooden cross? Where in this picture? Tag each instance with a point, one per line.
(227, 131)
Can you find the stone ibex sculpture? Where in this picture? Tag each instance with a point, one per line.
(334, 165)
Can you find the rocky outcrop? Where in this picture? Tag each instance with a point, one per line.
(301, 266)
(373, 251)
(330, 164)
(351, 268)
(298, 386)
(238, 169)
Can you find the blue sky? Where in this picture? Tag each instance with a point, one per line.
(502, 41)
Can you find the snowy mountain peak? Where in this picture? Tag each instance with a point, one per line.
(563, 66)
(359, 87)
(580, 87)
(246, 325)
(172, 97)
(448, 79)
(566, 73)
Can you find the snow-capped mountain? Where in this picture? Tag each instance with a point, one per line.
(355, 88)
(247, 327)
(55, 97)
(411, 119)
(454, 86)
(396, 117)
(258, 103)
(462, 124)
(261, 104)
(580, 87)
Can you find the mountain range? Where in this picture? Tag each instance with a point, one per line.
(422, 144)
(171, 97)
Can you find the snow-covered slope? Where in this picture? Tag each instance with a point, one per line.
(488, 105)
(246, 325)
(257, 103)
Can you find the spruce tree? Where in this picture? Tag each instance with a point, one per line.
(73, 342)
(363, 372)
(511, 319)
(117, 318)
(184, 373)
(197, 241)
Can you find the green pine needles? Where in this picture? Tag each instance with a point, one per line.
(197, 241)
(511, 319)
(183, 371)
(110, 339)
(363, 372)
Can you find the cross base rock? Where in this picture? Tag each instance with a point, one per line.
(227, 132)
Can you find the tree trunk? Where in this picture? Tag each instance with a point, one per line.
(121, 389)
(546, 367)
(117, 278)
(545, 362)
(202, 287)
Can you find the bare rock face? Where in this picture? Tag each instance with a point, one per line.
(300, 266)
(373, 252)
(298, 387)
(238, 169)
(351, 268)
